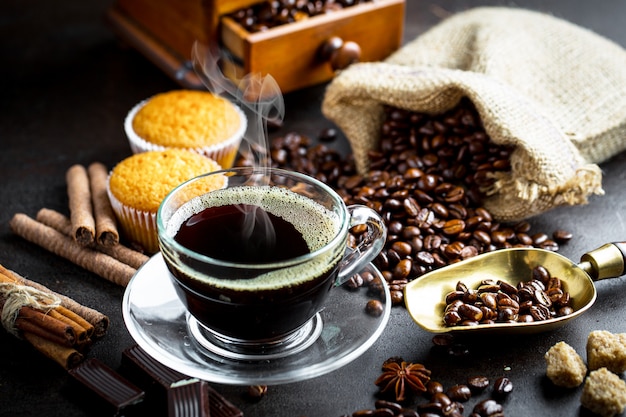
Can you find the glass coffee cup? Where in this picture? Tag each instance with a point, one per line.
(254, 259)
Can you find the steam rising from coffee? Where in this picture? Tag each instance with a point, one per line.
(262, 101)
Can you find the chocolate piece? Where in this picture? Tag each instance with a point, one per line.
(146, 371)
(220, 406)
(158, 379)
(188, 398)
(107, 384)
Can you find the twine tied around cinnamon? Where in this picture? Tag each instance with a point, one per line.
(18, 296)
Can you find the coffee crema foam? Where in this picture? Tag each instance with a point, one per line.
(317, 225)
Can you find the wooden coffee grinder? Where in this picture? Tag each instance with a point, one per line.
(298, 54)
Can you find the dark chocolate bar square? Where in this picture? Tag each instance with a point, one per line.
(158, 379)
(107, 385)
(188, 398)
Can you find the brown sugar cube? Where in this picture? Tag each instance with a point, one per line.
(606, 349)
(604, 393)
(565, 367)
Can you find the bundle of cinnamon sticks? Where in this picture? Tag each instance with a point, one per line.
(89, 237)
(56, 325)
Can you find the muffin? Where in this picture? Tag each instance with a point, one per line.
(189, 119)
(137, 185)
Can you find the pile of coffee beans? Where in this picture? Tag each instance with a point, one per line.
(540, 298)
(450, 402)
(427, 180)
(268, 14)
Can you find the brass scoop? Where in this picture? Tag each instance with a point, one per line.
(425, 296)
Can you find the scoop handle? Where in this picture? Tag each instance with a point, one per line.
(608, 261)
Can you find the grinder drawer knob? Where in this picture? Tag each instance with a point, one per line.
(340, 54)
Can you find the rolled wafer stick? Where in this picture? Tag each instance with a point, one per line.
(120, 252)
(106, 227)
(81, 210)
(98, 320)
(65, 356)
(56, 242)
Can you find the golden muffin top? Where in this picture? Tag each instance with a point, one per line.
(186, 119)
(143, 180)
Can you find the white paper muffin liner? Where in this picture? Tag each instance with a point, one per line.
(223, 153)
(137, 226)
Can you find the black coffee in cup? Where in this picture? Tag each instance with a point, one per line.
(242, 233)
(276, 294)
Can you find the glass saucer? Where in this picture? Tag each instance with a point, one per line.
(159, 323)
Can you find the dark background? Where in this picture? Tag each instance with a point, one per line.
(66, 84)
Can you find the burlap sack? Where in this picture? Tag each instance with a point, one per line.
(555, 91)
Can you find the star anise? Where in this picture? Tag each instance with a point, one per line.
(403, 377)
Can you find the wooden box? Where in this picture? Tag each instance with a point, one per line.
(297, 55)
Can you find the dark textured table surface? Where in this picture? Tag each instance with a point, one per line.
(66, 84)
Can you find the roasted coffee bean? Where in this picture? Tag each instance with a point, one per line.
(539, 238)
(502, 386)
(257, 392)
(374, 308)
(488, 408)
(395, 407)
(444, 339)
(430, 408)
(328, 134)
(539, 312)
(470, 312)
(433, 387)
(397, 297)
(453, 227)
(402, 248)
(540, 273)
(561, 236)
(459, 392)
(402, 269)
(442, 399)
(478, 383)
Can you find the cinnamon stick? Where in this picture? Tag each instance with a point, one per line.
(54, 241)
(98, 320)
(65, 356)
(106, 226)
(34, 321)
(81, 333)
(83, 223)
(70, 316)
(120, 252)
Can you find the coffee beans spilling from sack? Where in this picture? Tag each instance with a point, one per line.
(426, 180)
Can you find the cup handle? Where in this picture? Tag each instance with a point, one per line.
(370, 245)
